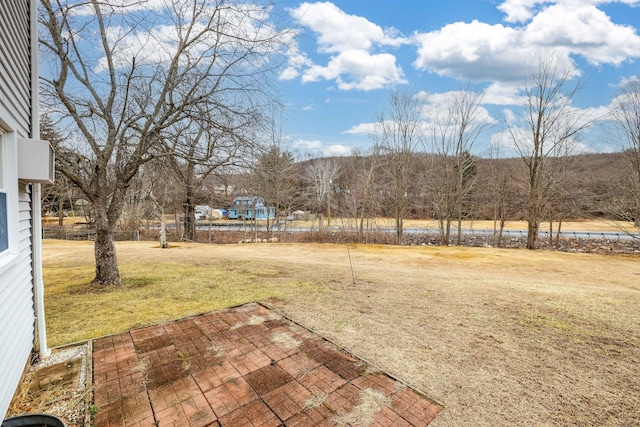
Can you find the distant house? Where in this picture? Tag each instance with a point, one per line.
(248, 207)
(25, 163)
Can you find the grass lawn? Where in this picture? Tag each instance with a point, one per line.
(499, 337)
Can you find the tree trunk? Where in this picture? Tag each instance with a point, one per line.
(533, 221)
(107, 272)
(442, 231)
(60, 211)
(163, 231)
(189, 216)
(163, 221)
(447, 231)
(532, 233)
(558, 231)
(399, 227)
(176, 221)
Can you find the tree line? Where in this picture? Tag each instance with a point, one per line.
(140, 118)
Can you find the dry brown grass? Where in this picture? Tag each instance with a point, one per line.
(500, 337)
(288, 342)
(70, 221)
(371, 401)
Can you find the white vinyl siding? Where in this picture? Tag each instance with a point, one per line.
(17, 315)
(15, 60)
(17, 319)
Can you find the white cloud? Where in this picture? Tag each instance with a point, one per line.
(479, 51)
(354, 44)
(307, 145)
(154, 47)
(509, 116)
(584, 30)
(357, 69)
(362, 129)
(434, 112)
(84, 8)
(289, 73)
(502, 94)
(338, 31)
(437, 106)
(627, 80)
(239, 29)
(297, 59)
(503, 141)
(508, 147)
(517, 139)
(337, 150)
(474, 51)
(579, 147)
(316, 147)
(518, 10)
(609, 149)
(523, 10)
(592, 114)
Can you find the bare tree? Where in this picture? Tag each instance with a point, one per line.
(156, 181)
(453, 131)
(60, 189)
(274, 179)
(320, 174)
(551, 125)
(562, 191)
(200, 146)
(358, 184)
(125, 79)
(398, 134)
(502, 190)
(626, 115)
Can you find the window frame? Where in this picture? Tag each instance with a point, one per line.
(8, 142)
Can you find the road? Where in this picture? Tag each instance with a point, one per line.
(589, 235)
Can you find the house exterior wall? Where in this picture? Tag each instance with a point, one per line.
(245, 207)
(17, 314)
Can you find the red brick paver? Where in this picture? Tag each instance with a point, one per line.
(242, 366)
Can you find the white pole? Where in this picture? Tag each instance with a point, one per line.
(38, 283)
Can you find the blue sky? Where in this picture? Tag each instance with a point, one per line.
(349, 55)
(344, 58)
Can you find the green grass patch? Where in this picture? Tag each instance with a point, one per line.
(151, 292)
(538, 319)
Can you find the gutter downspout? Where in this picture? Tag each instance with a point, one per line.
(36, 204)
(38, 283)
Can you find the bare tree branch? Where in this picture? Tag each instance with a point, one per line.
(126, 83)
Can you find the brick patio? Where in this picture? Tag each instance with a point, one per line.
(244, 366)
